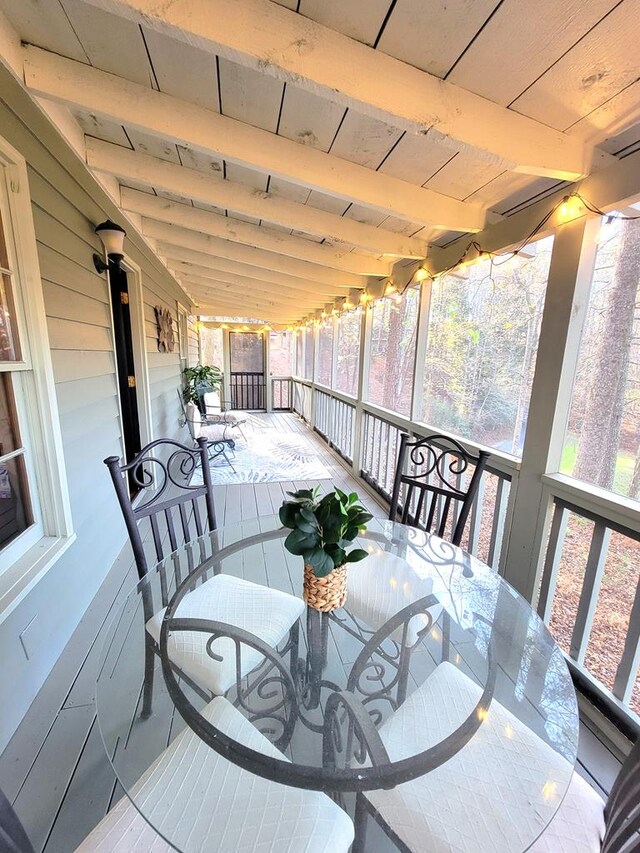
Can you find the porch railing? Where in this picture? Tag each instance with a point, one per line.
(334, 419)
(368, 437)
(592, 538)
(281, 397)
(247, 390)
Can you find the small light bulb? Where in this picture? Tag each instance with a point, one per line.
(420, 274)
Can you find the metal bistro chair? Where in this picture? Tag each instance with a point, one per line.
(422, 498)
(217, 411)
(242, 811)
(220, 435)
(172, 505)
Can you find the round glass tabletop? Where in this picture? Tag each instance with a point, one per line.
(435, 670)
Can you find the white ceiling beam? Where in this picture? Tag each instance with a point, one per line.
(283, 44)
(205, 222)
(180, 268)
(247, 254)
(106, 157)
(71, 82)
(190, 256)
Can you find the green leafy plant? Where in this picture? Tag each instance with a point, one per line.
(322, 529)
(199, 380)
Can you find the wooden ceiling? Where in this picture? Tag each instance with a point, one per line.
(278, 154)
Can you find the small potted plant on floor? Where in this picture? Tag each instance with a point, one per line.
(321, 531)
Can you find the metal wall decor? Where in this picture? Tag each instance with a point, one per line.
(166, 338)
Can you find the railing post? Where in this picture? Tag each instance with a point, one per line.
(565, 309)
(363, 360)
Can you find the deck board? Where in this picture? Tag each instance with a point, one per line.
(55, 768)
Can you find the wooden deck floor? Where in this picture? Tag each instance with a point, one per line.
(55, 770)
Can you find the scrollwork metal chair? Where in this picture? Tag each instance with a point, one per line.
(172, 505)
(425, 496)
(217, 411)
(220, 435)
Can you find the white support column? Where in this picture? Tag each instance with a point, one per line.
(334, 352)
(363, 381)
(226, 366)
(422, 331)
(568, 288)
(268, 390)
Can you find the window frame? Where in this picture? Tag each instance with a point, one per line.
(25, 559)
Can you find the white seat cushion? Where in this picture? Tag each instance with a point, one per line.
(265, 613)
(213, 406)
(578, 827)
(217, 432)
(206, 803)
(194, 420)
(494, 796)
(381, 586)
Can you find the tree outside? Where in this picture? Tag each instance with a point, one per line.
(484, 325)
(393, 351)
(348, 351)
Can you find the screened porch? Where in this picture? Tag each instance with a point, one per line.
(312, 242)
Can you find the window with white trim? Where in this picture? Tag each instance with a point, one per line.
(34, 503)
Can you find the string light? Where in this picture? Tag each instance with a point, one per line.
(569, 208)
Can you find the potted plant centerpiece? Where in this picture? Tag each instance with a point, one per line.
(321, 531)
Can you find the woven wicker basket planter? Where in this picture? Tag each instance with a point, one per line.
(328, 593)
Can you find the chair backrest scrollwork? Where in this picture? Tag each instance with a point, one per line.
(425, 495)
(163, 469)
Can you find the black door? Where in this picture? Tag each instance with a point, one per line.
(124, 361)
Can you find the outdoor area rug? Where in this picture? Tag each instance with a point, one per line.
(268, 457)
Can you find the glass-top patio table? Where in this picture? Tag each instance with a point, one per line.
(432, 658)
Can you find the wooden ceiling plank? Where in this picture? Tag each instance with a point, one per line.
(248, 254)
(431, 36)
(249, 96)
(361, 21)
(51, 31)
(179, 253)
(285, 45)
(197, 80)
(511, 52)
(236, 231)
(365, 140)
(71, 82)
(233, 280)
(212, 189)
(100, 32)
(309, 119)
(601, 65)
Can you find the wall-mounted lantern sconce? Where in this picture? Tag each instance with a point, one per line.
(112, 238)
